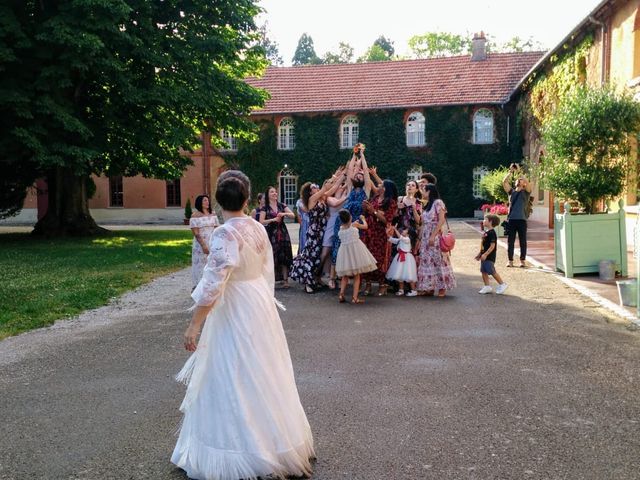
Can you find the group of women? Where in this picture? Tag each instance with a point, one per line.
(242, 413)
(360, 190)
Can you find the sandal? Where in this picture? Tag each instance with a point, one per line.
(356, 300)
(309, 289)
(332, 284)
(367, 289)
(341, 298)
(442, 293)
(382, 291)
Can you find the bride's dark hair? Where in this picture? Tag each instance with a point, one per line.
(232, 190)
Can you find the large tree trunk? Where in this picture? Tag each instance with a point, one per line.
(68, 211)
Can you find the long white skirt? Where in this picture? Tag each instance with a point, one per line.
(242, 413)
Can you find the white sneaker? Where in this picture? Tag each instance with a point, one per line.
(412, 293)
(399, 293)
(486, 289)
(501, 288)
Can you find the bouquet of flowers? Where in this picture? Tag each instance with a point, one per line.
(359, 149)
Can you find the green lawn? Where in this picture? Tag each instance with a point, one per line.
(42, 280)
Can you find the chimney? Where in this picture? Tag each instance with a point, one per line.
(479, 47)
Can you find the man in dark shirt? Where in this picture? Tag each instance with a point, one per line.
(517, 218)
(487, 256)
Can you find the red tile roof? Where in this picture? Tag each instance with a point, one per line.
(394, 84)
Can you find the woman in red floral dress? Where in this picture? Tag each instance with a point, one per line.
(380, 212)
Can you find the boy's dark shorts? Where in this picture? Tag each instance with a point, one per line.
(487, 267)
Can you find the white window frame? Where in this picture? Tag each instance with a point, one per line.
(288, 187)
(415, 130)
(349, 129)
(414, 173)
(483, 127)
(230, 140)
(286, 134)
(478, 175)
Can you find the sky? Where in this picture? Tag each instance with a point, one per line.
(361, 22)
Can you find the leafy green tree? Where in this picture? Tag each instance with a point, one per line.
(439, 44)
(491, 185)
(305, 53)
(517, 44)
(374, 54)
(344, 54)
(386, 45)
(587, 145)
(271, 51)
(120, 87)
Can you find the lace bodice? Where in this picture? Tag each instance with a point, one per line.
(206, 221)
(239, 251)
(348, 235)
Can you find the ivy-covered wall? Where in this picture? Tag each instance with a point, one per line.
(449, 154)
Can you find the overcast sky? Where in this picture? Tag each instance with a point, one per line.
(360, 22)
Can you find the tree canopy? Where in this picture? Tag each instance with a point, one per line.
(117, 88)
(305, 53)
(271, 50)
(445, 44)
(344, 54)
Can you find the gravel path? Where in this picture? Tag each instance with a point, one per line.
(538, 384)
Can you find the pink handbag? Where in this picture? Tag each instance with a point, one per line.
(447, 240)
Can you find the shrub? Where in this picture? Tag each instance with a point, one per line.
(491, 185)
(587, 145)
(187, 209)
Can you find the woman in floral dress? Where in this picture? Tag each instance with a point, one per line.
(272, 217)
(434, 272)
(306, 265)
(202, 223)
(380, 212)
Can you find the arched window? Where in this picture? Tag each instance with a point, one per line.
(478, 174)
(229, 140)
(349, 132)
(415, 130)
(286, 135)
(288, 187)
(483, 126)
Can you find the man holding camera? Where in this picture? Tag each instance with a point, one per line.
(517, 218)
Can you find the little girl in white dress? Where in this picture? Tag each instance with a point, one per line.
(354, 258)
(403, 267)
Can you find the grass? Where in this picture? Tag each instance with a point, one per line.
(43, 280)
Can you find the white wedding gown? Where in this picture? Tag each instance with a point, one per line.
(242, 414)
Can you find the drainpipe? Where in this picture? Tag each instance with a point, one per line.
(603, 30)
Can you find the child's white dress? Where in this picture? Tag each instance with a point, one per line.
(403, 267)
(353, 255)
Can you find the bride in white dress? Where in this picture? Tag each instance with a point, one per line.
(242, 413)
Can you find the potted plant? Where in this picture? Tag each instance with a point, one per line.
(187, 212)
(587, 160)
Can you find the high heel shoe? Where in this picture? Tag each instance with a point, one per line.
(341, 298)
(356, 300)
(367, 289)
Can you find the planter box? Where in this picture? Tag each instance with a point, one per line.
(582, 241)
